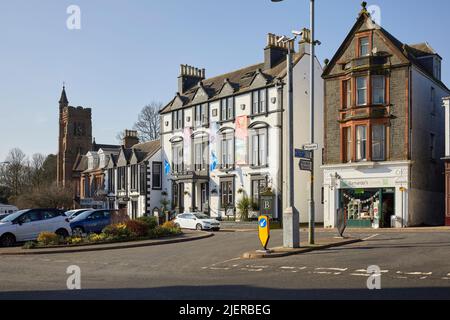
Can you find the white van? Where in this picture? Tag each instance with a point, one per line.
(7, 209)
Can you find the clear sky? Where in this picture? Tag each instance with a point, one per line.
(128, 52)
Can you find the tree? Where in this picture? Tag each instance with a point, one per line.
(15, 175)
(148, 124)
(48, 196)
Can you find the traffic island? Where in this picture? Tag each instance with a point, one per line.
(185, 237)
(280, 252)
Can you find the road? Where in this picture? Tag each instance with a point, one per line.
(415, 265)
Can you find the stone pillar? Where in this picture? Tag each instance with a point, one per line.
(291, 228)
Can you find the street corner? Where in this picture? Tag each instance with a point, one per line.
(281, 252)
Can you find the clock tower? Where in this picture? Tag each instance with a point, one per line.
(75, 137)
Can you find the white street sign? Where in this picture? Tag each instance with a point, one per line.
(311, 147)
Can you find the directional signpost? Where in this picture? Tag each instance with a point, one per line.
(306, 165)
(264, 231)
(305, 155)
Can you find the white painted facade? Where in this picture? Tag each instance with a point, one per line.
(243, 174)
(142, 198)
(386, 175)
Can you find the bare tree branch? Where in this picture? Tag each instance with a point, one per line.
(148, 125)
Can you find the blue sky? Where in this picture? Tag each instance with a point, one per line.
(128, 53)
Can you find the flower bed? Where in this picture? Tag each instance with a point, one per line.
(133, 230)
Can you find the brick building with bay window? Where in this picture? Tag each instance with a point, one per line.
(383, 131)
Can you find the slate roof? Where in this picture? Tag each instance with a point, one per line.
(240, 80)
(81, 164)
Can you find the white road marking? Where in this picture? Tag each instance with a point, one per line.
(371, 237)
(416, 273)
(215, 268)
(365, 271)
(287, 268)
(360, 274)
(252, 270)
(333, 269)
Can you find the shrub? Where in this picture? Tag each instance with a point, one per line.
(137, 228)
(30, 245)
(244, 206)
(151, 222)
(97, 237)
(162, 231)
(48, 239)
(118, 217)
(169, 225)
(117, 231)
(75, 240)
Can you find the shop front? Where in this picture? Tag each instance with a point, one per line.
(369, 195)
(368, 208)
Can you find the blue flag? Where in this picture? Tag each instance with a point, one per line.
(214, 161)
(166, 167)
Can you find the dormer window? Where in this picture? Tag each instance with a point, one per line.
(364, 47)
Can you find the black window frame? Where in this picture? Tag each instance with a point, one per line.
(225, 106)
(261, 108)
(227, 185)
(159, 174)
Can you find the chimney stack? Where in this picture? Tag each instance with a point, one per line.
(305, 42)
(130, 139)
(276, 52)
(189, 77)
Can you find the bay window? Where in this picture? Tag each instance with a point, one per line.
(348, 144)
(177, 157)
(200, 155)
(361, 143)
(227, 151)
(259, 147)
(347, 94)
(379, 143)
(361, 84)
(378, 89)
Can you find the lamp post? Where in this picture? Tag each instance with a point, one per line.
(313, 42)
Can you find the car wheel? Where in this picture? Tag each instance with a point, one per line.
(62, 233)
(199, 227)
(8, 240)
(78, 231)
(177, 225)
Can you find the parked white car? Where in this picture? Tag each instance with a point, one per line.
(26, 225)
(196, 221)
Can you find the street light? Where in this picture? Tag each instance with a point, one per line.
(312, 119)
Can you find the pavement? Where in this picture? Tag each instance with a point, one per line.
(413, 265)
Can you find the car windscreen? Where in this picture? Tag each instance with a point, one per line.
(83, 216)
(13, 216)
(201, 216)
